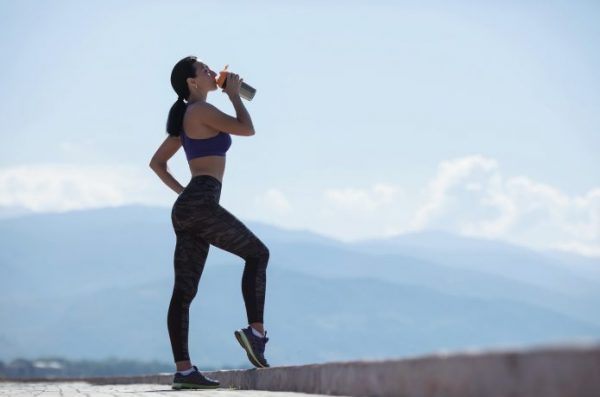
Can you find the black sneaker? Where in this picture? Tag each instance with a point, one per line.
(254, 346)
(193, 380)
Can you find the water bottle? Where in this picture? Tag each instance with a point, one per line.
(247, 92)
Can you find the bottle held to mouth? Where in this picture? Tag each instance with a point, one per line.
(246, 91)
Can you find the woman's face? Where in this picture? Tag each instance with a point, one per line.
(205, 76)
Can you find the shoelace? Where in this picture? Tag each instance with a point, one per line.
(201, 374)
(259, 343)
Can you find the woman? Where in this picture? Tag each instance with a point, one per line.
(198, 218)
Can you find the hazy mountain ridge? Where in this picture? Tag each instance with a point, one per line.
(309, 319)
(86, 283)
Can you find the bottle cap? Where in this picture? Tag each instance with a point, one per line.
(222, 76)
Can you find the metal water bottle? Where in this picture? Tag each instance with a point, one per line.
(247, 92)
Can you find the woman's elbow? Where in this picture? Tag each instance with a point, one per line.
(157, 164)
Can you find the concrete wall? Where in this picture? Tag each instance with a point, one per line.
(550, 372)
(565, 371)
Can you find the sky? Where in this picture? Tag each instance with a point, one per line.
(373, 119)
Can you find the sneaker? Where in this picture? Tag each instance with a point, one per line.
(194, 380)
(254, 346)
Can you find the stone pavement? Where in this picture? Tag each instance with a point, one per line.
(83, 389)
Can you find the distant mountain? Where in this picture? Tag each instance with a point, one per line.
(308, 320)
(89, 248)
(551, 270)
(7, 212)
(97, 283)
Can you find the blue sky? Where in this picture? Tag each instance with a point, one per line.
(372, 118)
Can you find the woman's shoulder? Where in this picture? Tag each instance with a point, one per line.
(202, 110)
(199, 105)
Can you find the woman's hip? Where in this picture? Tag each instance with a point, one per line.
(202, 189)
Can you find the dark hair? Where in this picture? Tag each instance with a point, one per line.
(181, 71)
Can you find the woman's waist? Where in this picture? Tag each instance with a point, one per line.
(203, 175)
(213, 165)
(199, 192)
(205, 181)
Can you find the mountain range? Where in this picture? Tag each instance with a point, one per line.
(92, 284)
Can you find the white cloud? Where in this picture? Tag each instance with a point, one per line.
(64, 187)
(467, 196)
(341, 213)
(470, 196)
(579, 248)
(469, 172)
(353, 213)
(271, 206)
(364, 200)
(274, 199)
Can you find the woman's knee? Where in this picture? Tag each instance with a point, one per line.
(264, 251)
(261, 253)
(185, 290)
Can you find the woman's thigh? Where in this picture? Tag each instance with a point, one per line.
(191, 251)
(217, 226)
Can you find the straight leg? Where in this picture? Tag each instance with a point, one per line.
(190, 256)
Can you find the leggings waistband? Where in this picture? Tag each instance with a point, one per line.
(204, 182)
(205, 177)
(200, 189)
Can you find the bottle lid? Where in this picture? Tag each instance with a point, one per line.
(222, 76)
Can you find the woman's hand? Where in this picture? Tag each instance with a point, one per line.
(232, 85)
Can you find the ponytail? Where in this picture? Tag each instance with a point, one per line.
(181, 71)
(175, 119)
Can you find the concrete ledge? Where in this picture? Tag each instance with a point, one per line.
(549, 372)
(553, 371)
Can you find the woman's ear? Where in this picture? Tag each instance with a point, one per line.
(191, 82)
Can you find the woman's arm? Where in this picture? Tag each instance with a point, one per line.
(158, 163)
(242, 114)
(162, 170)
(205, 113)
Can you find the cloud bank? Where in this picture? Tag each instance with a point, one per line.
(65, 187)
(468, 195)
(471, 196)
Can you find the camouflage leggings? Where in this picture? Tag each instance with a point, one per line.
(199, 220)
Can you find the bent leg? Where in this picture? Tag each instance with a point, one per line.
(223, 230)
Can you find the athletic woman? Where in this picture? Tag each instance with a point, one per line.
(198, 218)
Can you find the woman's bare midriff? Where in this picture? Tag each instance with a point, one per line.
(207, 165)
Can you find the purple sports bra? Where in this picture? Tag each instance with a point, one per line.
(215, 146)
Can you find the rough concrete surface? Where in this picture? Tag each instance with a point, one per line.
(551, 371)
(83, 389)
(547, 372)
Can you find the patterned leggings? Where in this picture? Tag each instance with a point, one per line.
(199, 220)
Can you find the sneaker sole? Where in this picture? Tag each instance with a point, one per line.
(179, 386)
(245, 343)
